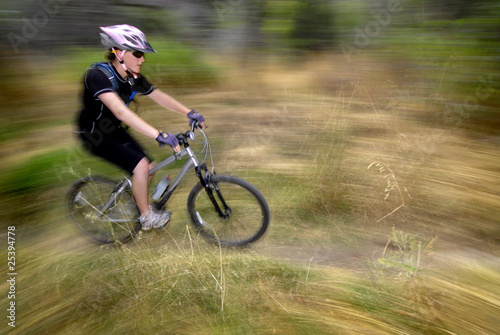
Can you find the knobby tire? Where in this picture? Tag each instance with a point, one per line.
(87, 196)
(249, 215)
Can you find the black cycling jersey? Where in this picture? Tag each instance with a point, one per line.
(100, 130)
(94, 114)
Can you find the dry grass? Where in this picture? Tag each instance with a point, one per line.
(174, 284)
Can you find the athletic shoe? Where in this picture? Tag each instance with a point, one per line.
(154, 219)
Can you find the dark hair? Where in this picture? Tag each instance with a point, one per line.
(110, 56)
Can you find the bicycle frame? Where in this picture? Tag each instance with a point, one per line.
(190, 164)
(112, 203)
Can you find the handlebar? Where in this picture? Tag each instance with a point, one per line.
(189, 135)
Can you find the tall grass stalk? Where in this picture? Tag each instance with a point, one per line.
(392, 185)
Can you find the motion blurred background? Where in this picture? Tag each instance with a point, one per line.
(371, 126)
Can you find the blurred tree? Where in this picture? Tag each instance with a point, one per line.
(313, 27)
(450, 9)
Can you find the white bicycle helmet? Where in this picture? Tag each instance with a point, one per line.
(125, 37)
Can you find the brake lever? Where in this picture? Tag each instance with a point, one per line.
(193, 126)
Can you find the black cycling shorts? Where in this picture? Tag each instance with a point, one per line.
(118, 148)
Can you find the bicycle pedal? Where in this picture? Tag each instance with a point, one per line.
(79, 199)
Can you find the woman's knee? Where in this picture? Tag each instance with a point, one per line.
(142, 167)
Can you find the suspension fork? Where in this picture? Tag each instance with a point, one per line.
(206, 180)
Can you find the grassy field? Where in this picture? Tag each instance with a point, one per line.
(385, 214)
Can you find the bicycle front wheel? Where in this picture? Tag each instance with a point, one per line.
(100, 212)
(244, 214)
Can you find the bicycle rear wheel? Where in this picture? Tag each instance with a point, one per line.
(245, 212)
(86, 199)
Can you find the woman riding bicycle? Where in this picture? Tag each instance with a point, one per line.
(108, 89)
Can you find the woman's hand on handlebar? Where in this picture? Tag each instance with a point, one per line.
(170, 139)
(196, 117)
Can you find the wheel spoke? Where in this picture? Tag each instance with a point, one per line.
(249, 215)
(86, 201)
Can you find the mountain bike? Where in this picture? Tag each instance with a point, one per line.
(224, 209)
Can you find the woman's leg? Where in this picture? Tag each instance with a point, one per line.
(126, 153)
(140, 180)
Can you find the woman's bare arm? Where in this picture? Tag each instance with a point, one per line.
(126, 115)
(165, 100)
